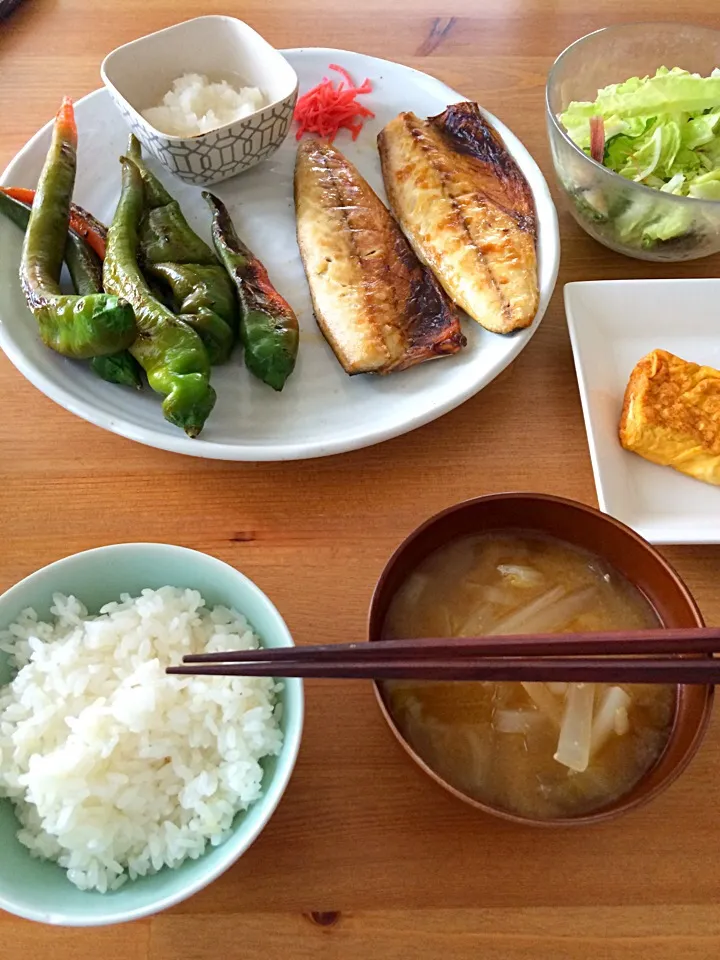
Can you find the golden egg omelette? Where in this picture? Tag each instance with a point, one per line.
(671, 415)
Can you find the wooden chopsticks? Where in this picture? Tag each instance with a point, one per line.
(642, 656)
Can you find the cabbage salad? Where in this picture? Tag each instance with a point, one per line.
(661, 131)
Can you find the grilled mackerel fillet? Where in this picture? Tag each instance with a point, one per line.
(377, 306)
(467, 210)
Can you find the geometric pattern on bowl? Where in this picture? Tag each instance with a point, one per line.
(218, 154)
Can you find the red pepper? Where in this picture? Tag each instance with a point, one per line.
(597, 138)
(81, 222)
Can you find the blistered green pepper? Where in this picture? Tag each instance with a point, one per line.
(171, 353)
(194, 293)
(85, 269)
(268, 325)
(173, 257)
(75, 326)
(84, 266)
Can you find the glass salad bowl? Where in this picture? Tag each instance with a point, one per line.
(619, 212)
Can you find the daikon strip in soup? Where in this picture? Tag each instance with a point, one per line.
(541, 750)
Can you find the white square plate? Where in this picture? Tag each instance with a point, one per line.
(613, 323)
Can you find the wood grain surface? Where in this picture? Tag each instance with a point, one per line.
(366, 857)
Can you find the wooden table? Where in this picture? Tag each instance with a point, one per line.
(366, 856)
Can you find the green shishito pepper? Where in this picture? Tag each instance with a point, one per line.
(121, 368)
(84, 265)
(86, 274)
(85, 268)
(203, 300)
(268, 325)
(184, 267)
(171, 353)
(79, 327)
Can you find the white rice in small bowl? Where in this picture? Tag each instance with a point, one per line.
(196, 105)
(119, 774)
(116, 769)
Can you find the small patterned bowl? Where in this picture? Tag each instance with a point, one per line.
(140, 73)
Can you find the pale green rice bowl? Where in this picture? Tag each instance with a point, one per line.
(39, 889)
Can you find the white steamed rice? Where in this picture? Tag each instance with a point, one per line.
(116, 769)
(195, 105)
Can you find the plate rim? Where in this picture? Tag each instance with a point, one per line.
(298, 450)
(654, 532)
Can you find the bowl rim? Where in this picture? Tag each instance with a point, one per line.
(560, 129)
(237, 843)
(198, 137)
(626, 802)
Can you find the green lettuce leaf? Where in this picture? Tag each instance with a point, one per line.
(698, 131)
(662, 131)
(676, 91)
(705, 186)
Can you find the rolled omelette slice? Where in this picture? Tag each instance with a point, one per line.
(671, 415)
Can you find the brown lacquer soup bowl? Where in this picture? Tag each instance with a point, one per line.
(631, 556)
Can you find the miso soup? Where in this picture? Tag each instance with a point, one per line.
(541, 750)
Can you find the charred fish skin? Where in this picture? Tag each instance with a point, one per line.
(505, 184)
(377, 307)
(467, 210)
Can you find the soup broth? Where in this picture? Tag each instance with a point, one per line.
(539, 750)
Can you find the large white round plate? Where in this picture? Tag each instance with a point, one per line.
(321, 411)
